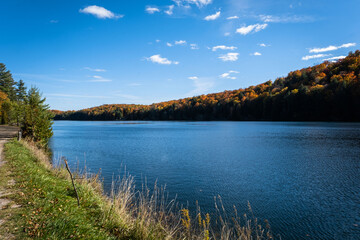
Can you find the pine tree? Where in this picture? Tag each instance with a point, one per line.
(19, 106)
(7, 83)
(38, 119)
(21, 91)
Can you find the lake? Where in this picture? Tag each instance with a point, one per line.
(303, 177)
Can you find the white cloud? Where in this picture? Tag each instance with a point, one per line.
(334, 58)
(285, 19)
(202, 85)
(326, 49)
(99, 79)
(223, 47)
(199, 3)
(251, 28)
(194, 46)
(213, 16)
(170, 10)
(95, 69)
(263, 45)
(100, 12)
(229, 57)
(157, 40)
(308, 57)
(331, 48)
(226, 34)
(346, 45)
(152, 10)
(228, 75)
(158, 59)
(180, 42)
(193, 78)
(54, 21)
(232, 17)
(256, 54)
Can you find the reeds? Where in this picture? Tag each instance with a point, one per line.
(149, 213)
(39, 153)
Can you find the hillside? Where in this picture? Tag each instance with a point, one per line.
(329, 91)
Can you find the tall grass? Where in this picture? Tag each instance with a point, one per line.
(149, 213)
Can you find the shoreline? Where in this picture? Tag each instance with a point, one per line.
(46, 197)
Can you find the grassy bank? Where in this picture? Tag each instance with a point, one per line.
(49, 207)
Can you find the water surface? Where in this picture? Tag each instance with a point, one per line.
(303, 177)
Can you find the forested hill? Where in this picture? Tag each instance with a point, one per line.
(325, 92)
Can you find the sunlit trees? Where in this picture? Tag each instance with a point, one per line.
(37, 122)
(7, 83)
(24, 109)
(328, 91)
(4, 107)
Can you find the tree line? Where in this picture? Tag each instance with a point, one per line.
(329, 91)
(25, 108)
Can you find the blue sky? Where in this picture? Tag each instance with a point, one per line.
(87, 53)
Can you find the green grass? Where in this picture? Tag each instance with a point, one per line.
(11, 226)
(49, 207)
(50, 211)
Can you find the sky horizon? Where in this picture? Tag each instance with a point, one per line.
(89, 53)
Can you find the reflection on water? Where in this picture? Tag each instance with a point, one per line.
(303, 177)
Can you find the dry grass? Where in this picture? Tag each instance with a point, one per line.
(149, 214)
(40, 154)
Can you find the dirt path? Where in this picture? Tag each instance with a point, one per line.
(6, 133)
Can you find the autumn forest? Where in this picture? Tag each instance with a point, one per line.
(329, 91)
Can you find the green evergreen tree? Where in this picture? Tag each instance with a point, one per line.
(38, 119)
(7, 83)
(19, 106)
(21, 91)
